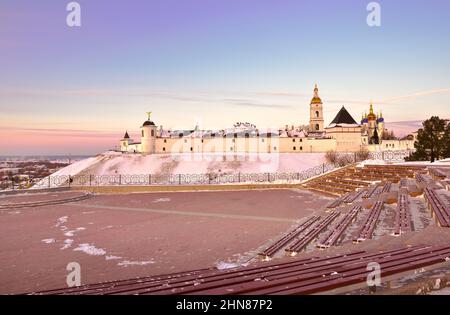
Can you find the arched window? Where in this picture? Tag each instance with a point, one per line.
(317, 126)
(317, 114)
(153, 133)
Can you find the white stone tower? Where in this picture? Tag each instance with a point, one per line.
(316, 113)
(125, 142)
(148, 136)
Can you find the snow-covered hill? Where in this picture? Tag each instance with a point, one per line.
(111, 163)
(115, 163)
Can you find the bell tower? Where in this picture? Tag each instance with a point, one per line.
(316, 113)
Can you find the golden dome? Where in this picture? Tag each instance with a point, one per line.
(371, 115)
(316, 99)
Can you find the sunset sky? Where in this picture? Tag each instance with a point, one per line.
(76, 90)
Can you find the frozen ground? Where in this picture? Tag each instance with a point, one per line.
(129, 235)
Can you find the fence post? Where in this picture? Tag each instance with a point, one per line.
(90, 179)
(120, 179)
(149, 179)
(179, 179)
(49, 183)
(239, 177)
(323, 168)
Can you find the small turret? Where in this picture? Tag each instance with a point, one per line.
(148, 135)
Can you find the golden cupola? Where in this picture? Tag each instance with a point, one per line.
(316, 99)
(371, 115)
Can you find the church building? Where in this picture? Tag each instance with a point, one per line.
(343, 134)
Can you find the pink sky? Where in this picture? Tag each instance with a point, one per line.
(81, 142)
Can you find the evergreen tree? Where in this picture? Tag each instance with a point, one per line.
(433, 141)
(446, 142)
(375, 138)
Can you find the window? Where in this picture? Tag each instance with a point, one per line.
(301, 140)
(180, 135)
(153, 133)
(274, 148)
(235, 135)
(165, 140)
(294, 148)
(202, 140)
(262, 139)
(185, 140)
(301, 148)
(191, 149)
(247, 135)
(231, 148)
(293, 140)
(317, 126)
(233, 140)
(164, 149)
(317, 114)
(213, 135)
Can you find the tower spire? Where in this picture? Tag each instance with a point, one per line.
(316, 91)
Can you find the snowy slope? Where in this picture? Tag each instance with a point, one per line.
(113, 163)
(201, 164)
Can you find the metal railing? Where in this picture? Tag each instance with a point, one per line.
(389, 156)
(181, 179)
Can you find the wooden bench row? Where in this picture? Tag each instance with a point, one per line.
(333, 236)
(437, 173)
(296, 276)
(440, 210)
(303, 241)
(386, 187)
(338, 201)
(371, 192)
(402, 215)
(354, 196)
(370, 222)
(286, 239)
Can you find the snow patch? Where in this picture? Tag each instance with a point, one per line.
(90, 249)
(67, 243)
(61, 220)
(72, 232)
(112, 257)
(221, 265)
(162, 200)
(48, 240)
(127, 263)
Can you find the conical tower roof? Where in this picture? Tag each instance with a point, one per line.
(343, 117)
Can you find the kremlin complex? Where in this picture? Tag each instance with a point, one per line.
(343, 134)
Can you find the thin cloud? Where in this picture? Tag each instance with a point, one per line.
(414, 95)
(251, 103)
